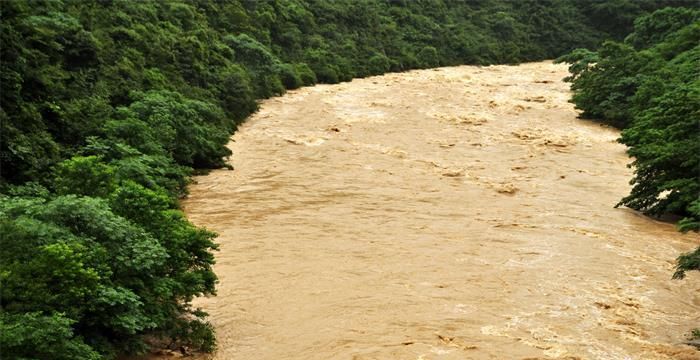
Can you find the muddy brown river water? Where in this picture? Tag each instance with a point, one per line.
(455, 213)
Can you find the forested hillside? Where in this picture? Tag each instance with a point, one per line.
(649, 86)
(107, 107)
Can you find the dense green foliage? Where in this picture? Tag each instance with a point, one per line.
(75, 263)
(649, 85)
(107, 107)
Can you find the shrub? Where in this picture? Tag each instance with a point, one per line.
(307, 76)
(379, 64)
(428, 57)
(289, 76)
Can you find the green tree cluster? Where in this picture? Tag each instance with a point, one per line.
(649, 86)
(107, 106)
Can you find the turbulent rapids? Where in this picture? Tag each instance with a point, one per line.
(455, 213)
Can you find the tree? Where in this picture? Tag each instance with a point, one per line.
(650, 88)
(107, 107)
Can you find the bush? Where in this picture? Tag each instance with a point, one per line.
(84, 175)
(379, 64)
(428, 57)
(289, 76)
(327, 75)
(307, 76)
(34, 335)
(232, 84)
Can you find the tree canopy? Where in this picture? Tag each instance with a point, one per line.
(649, 86)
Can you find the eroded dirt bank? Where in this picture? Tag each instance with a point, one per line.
(457, 213)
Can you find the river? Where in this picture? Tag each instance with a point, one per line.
(453, 213)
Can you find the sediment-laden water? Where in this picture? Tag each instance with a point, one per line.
(456, 213)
